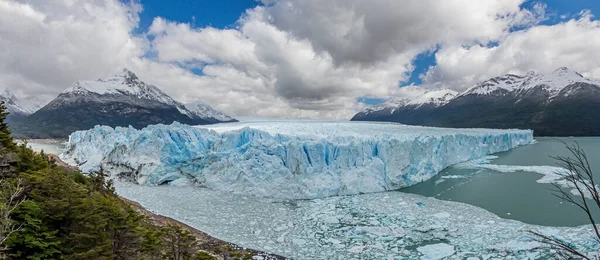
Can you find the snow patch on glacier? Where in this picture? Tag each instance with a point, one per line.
(290, 159)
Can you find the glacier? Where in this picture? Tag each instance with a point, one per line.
(301, 159)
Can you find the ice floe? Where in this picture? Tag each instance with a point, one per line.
(389, 225)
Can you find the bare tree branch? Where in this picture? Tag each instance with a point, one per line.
(579, 176)
(558, 244)
(11, 196)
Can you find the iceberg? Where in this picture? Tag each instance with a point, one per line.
(285, 159)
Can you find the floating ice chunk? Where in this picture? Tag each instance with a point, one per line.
(525, 245)
(436, 251)
(298, 241)
(381, 231)
(442, 215)
(454, 177)
(292, 160)
(331, 220)
(550, 174)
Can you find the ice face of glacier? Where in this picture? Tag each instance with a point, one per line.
(290, 160)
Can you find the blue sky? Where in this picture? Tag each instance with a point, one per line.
(200, 13)
(559, 10)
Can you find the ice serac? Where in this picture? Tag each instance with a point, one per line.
(294, 159)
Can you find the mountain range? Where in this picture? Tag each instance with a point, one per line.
(119, 100)
(560, 103)
(18, 107)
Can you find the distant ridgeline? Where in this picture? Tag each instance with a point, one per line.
(562, 103)
(119, 100)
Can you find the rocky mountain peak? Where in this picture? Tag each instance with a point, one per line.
(566, 72)
(127, 74)
(8, 96)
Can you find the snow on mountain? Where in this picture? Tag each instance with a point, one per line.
(290, 160)
(18, 106)
(506, 83)
(118, 100)
(125, 83)
(203, 110)
(435, 97)
(553, 83)
(389, 105)
(552, 104)
(556, 81)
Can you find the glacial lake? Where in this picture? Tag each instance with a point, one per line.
(515, 195)
(48, 146)
(512, 195)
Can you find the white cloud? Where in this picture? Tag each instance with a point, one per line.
(45, 45)
(371, 31)
(262, 63)
(316, 57)
(573, 43)
(307, 58)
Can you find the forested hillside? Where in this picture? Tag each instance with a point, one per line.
(49, 211)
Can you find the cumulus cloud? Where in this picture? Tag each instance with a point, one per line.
(44, 44)
(371, 31)
(301, 58)
(270, 65)
(319, 56)
(542, 48)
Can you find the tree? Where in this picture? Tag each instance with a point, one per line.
(5, 138)
(180, 243)
(578, 175)
(35, 240)
(10, 199)
(123, 229)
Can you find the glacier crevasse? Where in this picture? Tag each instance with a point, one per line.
(299, 160)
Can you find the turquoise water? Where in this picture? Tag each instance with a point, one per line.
(515, 195)
(54, 147)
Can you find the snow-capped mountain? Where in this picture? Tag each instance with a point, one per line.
(122, 87)
(201, 109)
(389, 106)
(119, 100)
(551, 83)
(433, 98)
(16, 106)
(558, 103)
